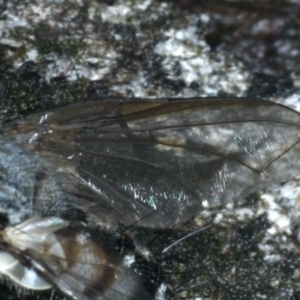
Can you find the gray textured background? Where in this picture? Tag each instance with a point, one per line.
(57, 52)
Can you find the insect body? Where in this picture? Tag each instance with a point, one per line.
(155, 164)
(87, 260)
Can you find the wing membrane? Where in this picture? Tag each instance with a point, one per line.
(133, 158)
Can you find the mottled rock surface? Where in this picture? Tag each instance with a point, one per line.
(54, 53)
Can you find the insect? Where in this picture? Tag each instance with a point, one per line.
(83, 175)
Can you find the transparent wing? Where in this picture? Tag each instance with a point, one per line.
(82, 262)
(161, 161)
(80, 286)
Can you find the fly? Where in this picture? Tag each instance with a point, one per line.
(74, 177)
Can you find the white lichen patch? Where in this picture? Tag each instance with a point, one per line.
(293, 101)
(244, 214)
(117, 13)
(280, 205)
(185, 49)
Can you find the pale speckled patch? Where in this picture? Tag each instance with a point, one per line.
(184, 47)
(280, 205)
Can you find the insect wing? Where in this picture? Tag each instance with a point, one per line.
(47, 252)
(133, 158)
